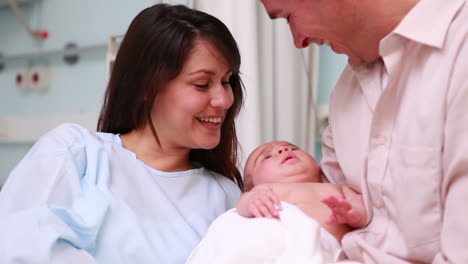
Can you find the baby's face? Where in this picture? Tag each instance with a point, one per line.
(280, 161)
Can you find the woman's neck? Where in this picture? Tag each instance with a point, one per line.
(163, 158)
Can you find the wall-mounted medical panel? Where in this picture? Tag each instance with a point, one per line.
(27, 129)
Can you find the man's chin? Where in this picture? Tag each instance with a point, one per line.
(358, 62)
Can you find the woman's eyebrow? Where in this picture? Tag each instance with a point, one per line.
(208, 72)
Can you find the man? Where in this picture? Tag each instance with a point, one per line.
(398, 120)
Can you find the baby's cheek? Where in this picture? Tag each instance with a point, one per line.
(262, 177)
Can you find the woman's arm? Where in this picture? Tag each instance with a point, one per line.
(47, 179)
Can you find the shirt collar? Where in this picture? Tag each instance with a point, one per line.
(429, 21)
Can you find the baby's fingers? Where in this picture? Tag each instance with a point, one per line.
(337, 205)
(331, 219)
(266, 207)
(260, 210)
(270, 205)
(276, 201)
(266, 212)
(255, 211)
(273, 203)
(330, 201)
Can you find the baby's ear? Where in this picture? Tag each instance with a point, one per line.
(248, 185)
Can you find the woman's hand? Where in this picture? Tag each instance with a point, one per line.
(261, 201)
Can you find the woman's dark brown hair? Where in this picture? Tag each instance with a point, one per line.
(153, 52)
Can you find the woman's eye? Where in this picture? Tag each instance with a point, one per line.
(200, 85)
(267, 157)
(225, 83)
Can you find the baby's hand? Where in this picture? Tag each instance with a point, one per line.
(261, 201)
(346, 211)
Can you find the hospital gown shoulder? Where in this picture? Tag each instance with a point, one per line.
(66, 137)
(229, 187)
(54, 185)
(56, 152)
(52, 168)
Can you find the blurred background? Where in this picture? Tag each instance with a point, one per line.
(55, 57)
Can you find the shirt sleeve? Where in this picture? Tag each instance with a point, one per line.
(231, 190)
(454, 187)
(41, 204)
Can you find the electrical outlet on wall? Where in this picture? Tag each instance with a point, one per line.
(22, 79)
(3, 128)
(39, 78)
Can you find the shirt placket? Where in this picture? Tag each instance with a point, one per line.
(380, 142)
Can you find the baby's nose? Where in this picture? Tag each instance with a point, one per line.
(283, 149)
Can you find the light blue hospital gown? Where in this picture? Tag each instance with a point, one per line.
(80, 197)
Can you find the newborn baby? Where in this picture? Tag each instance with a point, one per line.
(280, 171)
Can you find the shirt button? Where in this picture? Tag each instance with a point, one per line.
(380, 140)
(378, 203)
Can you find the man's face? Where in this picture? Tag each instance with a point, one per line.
(332, 22)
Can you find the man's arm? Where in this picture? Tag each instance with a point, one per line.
(454, 187)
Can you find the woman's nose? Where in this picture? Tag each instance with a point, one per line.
(222, 97)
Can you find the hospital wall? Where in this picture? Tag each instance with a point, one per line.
(77, 88)
(330, 67)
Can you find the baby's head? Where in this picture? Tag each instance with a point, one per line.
(279, 161)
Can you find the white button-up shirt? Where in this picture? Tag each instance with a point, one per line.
(399, 134)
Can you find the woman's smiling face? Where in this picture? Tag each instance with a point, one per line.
(189, 111)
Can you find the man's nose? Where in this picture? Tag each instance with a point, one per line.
(300, 41)
(303, 42)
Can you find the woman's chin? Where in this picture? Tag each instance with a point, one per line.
(209, 144)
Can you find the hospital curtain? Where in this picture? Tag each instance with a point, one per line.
(280, 80)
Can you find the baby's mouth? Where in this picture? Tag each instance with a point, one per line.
(288, 158)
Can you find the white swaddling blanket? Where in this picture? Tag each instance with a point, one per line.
(295, 238)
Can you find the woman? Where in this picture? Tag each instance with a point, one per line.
(162, 168)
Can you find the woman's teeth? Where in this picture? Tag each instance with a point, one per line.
(214, 120)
